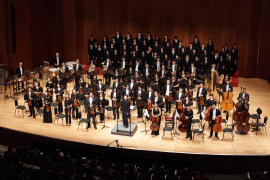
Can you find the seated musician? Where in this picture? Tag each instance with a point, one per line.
(162, 73)
(156, 112)
(243, 95)
(59, 95)
(74, 96)
(201, 93)
(226, 79)
(30, 96)
(133, 87)
(214, 112)
(137, 66)
(101, 104)
(182, 79)
(174, 68)
(108, 76)
(168, 90)
(130, 72)
(19, 72)
(190, 87)
(227, 86)
(100, 88)
(147, 73)
(64, 68)
(50, 86)
(38, 92)
(115, 97)
(179, 97)
(192, 70)
(188, 114)
(137, 77)
(244, 107)
(139, 96)
(68, 105)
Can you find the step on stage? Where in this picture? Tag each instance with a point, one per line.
(124, 131)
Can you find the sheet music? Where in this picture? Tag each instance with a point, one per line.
(146, 114)
(203, 116)
(177, 115)
(131, 107)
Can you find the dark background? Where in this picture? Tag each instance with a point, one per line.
(44, 27)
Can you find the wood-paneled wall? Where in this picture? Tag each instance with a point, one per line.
(3, 44)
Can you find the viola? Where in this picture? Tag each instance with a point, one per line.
(75, 103)
(130, 101)
(154, 126)
(101, 108)
(114, 104)
(92, 109)
(48, 109)
(180, 105)
(201, 101)
(217, 126)
(170, 97)
(149, 106)
(69, 111)
(30, 103)
(50, 92)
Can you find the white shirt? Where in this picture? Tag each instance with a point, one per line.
(99, 86)
(137, 66)
(202, 48)
(114, 95)
(214, 114)
(173, 52)
(128, 38)
(127, 91)
(77, 66)
(162, 72)
(150, 94)
(107, 64)
(90, 101)
(187, 59)
(148, 38)
(158, 64)
(116, 84)
(216, 56)
(57, 60)
(213, 68)
(180, 94)
(227, 87)
(192, 69)
(139, 93)
(146, 72)
(29, 94)
(200, 91)
(173, 68)
(167, 90)
(64, 67)
(131, 85)
(156, 99)
(21, 71)
(124, 65)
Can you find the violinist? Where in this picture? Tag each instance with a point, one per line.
(133, 88)
(30, 98)
(117, 85)
(67, 105)
(192, 70)
(101, 106)
(38, 92)
(174, 68)
(162, 73)
(74, 96)
(182, 78)
(227, 86)
(179, 97)
(58, 80)
(94, 80)
(188, 114)
(157, 99)
(156, 112)
(125, 110)
(116, 75)
(59, 96)
(243, 95)
(187, 102)
(201, 93)
(87, 90)
(115, 97)
(130, 72)
(168, 89)
(139, 94)
(214, 112)
(190, 87)
(137, 78)
(47, 113)
(50, 86)
(100, 88)
(90, 104)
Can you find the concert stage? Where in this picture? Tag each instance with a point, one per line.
(248, 144)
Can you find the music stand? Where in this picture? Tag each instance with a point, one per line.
(155, 87)
(96, 72)
(144, 105)
(104, 120)
(122, 72)
(163, 80)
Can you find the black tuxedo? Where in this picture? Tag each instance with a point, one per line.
(125, 109)
(212, 121)
(176, 97)
(224, 88)
(108, 76)
(116, 110)
(156, 48)
(175, 44)
(149, 42)
(155, 66)
(139, 41)
(186, 64)
(149, 73)
(204, 93)
(139, 67)
(103, 88)
(179, 49)
(168, 104)
(91, 42)
(241, 96)
(55, 61)
(196, 45)
(88, 110)
(67, 104)
(124, 92)
(146, 97)
(119, 86)
(126, 65)
(118, 39)
(27, 96)
(129, 42)
(139, 109)
(172, 54)
(205, 67)
(189, 51)
(77, 78)
(18, 72)
(159, 102)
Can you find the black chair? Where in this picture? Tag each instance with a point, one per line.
(261, 125)
(108, 108)
(170, 129)
(199, 132)
(170, 120)
(196, 121)
(225, 122)
(19, 107)
(229, 130)
(54, 105)
(39, 112)
(59, 116)
(84, 120)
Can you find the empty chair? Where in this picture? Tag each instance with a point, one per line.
(228, 130)
(19, 107)
(199, 132)
(261, 125)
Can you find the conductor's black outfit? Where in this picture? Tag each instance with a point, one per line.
(190, 115)
(125, 109)
(213, 121)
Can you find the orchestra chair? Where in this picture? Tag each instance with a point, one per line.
(39, 112)
(225, 121)
(229, 130)
(84, 120)
(59, 116)
(261, 125)
(196, 121)
(54, 105)
(199, 132)
(19, 107)
(256, 116)
(167, 128)
(169, 120)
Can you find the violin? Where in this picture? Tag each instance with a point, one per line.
(170, 97)
(92, 110)
(183, 127)
(180, 105)
(217, 126)
(227, 103)
(139, 100)
(30, 103)
(75, 103)
(190, 90)
(80, 90)
(114, 104)
(201, 100)
(69, 111)
(149, 105)
(154, 126)
(101, 108)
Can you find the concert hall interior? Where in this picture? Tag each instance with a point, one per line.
(175, 89)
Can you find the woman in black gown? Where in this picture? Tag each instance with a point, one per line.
(50, 86)
(91, 53)
(156, 81)
(156, 112)
(94, 80)
(117, 75)
(115, 59)
(99, 54)
(59, 97)
(221, 65)
(47, 113)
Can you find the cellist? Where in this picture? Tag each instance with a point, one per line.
(210, 101)
(214, 112)
(188, 114)
(245, 106)
(243, 95)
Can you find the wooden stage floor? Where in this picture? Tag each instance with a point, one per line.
(248, 144)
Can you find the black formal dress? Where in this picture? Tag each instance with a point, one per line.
(47, 115)
(125, 109)
(60, 105)
(116, 96)
(75, 110)
(68, 104)
(49, 85)
(190, 115)
(155, 112)
(101, 102)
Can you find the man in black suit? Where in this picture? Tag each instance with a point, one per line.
(186, 63)
(77, 67)
(129, 40)
(91, 102)
(100, 88)
(115, 97)
(201, 93)
(243, 95)
(139, 39)
(57, 61)
(227, 51)
(190, 49)
(64, 68)
(105, 39)
(117, 85)
(137, 51)
(156, 47)
(172, 53)
(157, 99)
(175, 42)
(215, 58)
(201, 50)
(139, 95)
(118, 37)
(126, 91)
(193, 70)
(157, 65)
(149, 40)
(137, 66)
(214, 112)
(179, 97)
(168, 89)
(91, 41)
(205, 66)
(147, 72)
(125, 110)
(149, 95)
(108, 76)
(174, 69)
(19, 72)
(30, 95)
(196, 43)
(227, 86)
(179, 47)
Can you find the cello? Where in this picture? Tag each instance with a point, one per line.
(243, 125)
(227, 103)
(217, 127)
(154, 126)
(208, 114)
(183, 127)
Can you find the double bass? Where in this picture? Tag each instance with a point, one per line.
(217, 127)
(227, 103)
(236, 112)
(208, 114)
(243, 125)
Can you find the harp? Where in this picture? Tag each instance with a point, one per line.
(215, 79)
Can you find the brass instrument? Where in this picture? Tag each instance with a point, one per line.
(104, 66)
(92, 67)
(194, 71)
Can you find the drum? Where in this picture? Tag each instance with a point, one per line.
(46, 69)
(53, 72)
(70, 63)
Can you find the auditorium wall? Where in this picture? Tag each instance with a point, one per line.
(45, 27)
